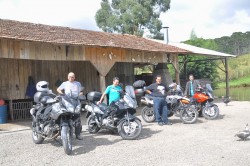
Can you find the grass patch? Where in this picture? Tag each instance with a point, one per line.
(241, 82)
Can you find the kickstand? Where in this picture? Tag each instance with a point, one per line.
(58, 141)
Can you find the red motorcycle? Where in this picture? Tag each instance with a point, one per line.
(203, 102)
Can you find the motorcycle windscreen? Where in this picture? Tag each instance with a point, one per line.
(71, 105)
(129, 101)
(130, 91)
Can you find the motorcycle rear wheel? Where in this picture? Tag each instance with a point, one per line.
(92, 126)
(211, 112)
(130, 130)
(148, 114)
(188, 114)
(66, 137)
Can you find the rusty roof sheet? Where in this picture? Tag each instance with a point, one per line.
(64, 35)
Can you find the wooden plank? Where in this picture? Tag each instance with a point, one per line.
(17, 50)
(4, 48)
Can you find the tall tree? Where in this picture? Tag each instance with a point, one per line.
(132, 16)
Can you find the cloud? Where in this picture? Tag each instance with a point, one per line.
(53, 12)
(209, 18)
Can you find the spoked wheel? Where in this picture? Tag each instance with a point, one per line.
(66, 136)
(92, 126)
(130, 130)
(188, 114)
(211, 112)
(148, 114)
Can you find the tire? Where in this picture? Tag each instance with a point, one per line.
(66, 136)
(148, 114)
(188, 114)
(92, 126)
(130, 130)
(211, 112)
(37, 138)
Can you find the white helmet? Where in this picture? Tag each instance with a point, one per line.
(42, 86)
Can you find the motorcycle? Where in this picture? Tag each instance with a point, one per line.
(117, 117)
(54, 116)
(177, 105)
(203, 102)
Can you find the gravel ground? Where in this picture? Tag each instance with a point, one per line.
(206, 143)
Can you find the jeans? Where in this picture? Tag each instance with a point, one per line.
(161, 109)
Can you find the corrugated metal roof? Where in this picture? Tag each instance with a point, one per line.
(196, 50)
(199, 50)
(64, 35)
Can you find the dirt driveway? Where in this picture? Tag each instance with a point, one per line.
(205, 143)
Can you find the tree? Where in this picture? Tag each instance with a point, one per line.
(132, 16)
(201, 69)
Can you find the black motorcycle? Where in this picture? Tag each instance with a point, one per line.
(118, 116)
(54, 116)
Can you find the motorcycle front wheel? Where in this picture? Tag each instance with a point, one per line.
(130, 130)
(92, 126)
(188, 114)
(66, 136)
(36, 137)
(148, 114)
(211, 112)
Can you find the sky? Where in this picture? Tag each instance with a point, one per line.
(209, 19)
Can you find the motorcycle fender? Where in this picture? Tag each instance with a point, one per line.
(130, 118)
(211, 104)
(67, 122)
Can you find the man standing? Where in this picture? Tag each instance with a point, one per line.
(112, 91)
(159, 93)
(191, 86)
(72, 88)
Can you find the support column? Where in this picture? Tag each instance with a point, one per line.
(227, 79)
(103, 86)
(161, 69)
(177, 70)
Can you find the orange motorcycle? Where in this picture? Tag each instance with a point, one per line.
(203, 102)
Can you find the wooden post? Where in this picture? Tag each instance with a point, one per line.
(177, 70)
(103, 86)
(227, 79)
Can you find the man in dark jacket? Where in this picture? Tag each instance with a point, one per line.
(191, 86)
(159, 93)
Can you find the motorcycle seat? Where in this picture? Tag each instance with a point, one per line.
(150, 97)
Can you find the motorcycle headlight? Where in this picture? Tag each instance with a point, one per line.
(78, 109)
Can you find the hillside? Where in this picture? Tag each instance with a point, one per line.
(238, 71)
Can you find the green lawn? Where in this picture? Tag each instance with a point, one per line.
(241, 82)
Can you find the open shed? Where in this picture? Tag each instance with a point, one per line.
(44, 52)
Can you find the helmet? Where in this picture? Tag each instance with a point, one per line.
(42, 86)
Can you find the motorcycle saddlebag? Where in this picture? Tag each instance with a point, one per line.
(94, 96)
